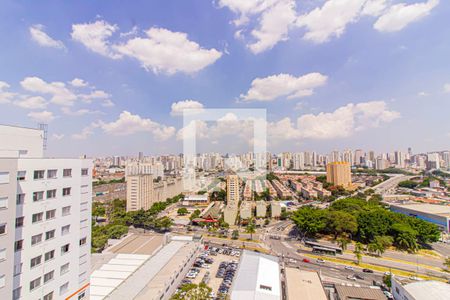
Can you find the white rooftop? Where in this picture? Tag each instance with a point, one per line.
(428, 290)
(258, 277)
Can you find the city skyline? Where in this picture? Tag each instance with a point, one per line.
(370, 81)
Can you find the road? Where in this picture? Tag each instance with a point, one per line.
(386, 186)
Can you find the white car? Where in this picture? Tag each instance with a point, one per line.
(348, 267)
(320, 261)
(388, 295)
(351, 277)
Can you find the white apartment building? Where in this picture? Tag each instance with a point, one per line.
(45, 220)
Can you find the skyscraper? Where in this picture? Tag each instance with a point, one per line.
(45, 220)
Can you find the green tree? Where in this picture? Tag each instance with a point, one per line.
(250, 228)
(405, 237)
(182, 211)
(387, 280)
(343, 242)
(339, 222)
(383, 243)
(163, 223)
(309, 221)
(193, 292)
(195, 214)
(117, 231)
(98, 210)
(358, 252)
(235, 234)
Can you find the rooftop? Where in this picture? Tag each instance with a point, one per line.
(443, 210)
(428, 290)
(352, 292)
(304, 283)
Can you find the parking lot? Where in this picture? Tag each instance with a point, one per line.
(216, 267)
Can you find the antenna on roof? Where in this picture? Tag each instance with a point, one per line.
(44, 128)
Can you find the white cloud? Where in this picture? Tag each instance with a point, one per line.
(97, 94)
(274, 26)
(60, 94)
(170, 52)
(77, 82)
(447, 88)
(272, 87)
(41, 116)
(36, 102)
(400, 15)
(341, 123)
(5, 97)
(330, 20)
(94, 36)
(177, 108)
(84, 134)
(128, 124)
(374, 7)
(107, 103)
(43, 39)
(57, 137)
(79, 112)
(424, 94)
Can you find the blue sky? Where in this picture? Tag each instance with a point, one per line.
(371, 74)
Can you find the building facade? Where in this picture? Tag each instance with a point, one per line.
(339, 173)
(45, 220)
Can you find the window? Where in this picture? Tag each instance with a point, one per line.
(19, 222)
(65, 230)
(64, 269)
(4, 177)
(38, 196)
(84, 189)
(50, 214)
(49, 255)
(2, 228)
(83, 241)
(36, 239)
(17, 293)
(49, 296)
(265, 287)
(66, 191)
(21, 175)
(84, 206)
(84, 172)
(20, 199)
(2, 281)
(66, 210)
(2, 254)
(3, 202)
(51, 194)
(48, 276)
(36, 261)
(18, 245)
(39, 174)
(63, 288)
(35, 283)
(84, 223)
(51, 174)
(37, 217)
(17, 269)
(50, 234)
(65, 249)
(67, 173)
(81, 277)
(82, 295)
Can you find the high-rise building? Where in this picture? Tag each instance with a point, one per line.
(45, 220)
(298, 160)
(433, 161)
(232, 189)
(139, 192)
(339, 173)
(446, 159)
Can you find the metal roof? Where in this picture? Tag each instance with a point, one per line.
(258, 277)
(428, 290)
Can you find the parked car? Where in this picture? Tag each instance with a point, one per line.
(367, 271)
(320, 261)
(358, 276)
(388, 295)
(348, 267)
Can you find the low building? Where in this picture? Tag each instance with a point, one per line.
(132, 276)
(345, 292)
(230, 214)
(257, 277)
(275, 209)
(261, 209)
(246, 210)
(433, 213)
(192, 200)
(419, 290)
(304, 283)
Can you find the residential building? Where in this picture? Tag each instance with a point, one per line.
(261, 209)
(139, 192)
(339, 173)
(45, 220)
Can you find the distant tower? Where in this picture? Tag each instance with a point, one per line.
(141, 156)
(44, 128)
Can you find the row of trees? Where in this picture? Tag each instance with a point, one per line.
(119, 220)
(365, 222)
